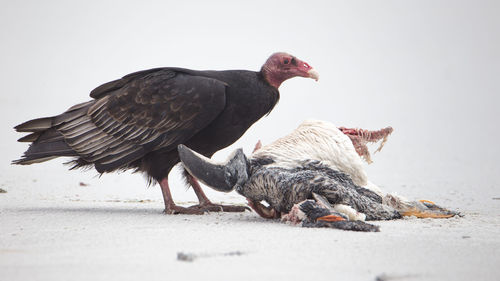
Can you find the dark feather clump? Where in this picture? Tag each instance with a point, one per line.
(344, 225)
(283, 187)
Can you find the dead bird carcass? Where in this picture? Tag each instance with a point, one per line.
(314, 175)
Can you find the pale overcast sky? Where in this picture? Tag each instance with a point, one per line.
(428, 68)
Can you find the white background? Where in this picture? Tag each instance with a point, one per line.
(428, 68)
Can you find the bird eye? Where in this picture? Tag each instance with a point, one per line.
(286, 61)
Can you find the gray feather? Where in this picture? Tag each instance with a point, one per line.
(35, 125)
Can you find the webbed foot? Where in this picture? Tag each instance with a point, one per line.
(428, 209)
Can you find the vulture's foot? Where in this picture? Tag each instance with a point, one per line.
(170, 207)
(428, 209)
(175, 210)
(205, 204)
(211, 207)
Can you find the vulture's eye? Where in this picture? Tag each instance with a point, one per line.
(286, 61)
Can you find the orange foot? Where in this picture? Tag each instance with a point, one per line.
(428, 209)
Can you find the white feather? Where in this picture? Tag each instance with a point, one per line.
(349, 211)
(317, 140)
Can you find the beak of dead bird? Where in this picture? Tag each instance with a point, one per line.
(224, 176)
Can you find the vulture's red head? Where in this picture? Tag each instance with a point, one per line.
(282, 66)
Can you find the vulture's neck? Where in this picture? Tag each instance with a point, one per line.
(272, 77)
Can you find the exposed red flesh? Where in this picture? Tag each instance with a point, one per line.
(258, 146)
(361, 137)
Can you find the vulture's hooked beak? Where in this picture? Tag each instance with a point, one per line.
(313, 74)
(220, 176)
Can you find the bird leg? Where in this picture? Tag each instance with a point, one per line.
(170, 206)
(360, 137)
(263, 211)
(202, 198)
(205, 205)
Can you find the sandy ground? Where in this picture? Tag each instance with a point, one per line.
(54, 228)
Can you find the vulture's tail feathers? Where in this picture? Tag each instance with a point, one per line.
(47, 142)
(74, 134)
(30, 138)
(47, 145)
(35, 125)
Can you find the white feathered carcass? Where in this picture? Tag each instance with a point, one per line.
(314, 175)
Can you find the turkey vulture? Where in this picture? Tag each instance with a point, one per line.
(317, 160)
(138, 121)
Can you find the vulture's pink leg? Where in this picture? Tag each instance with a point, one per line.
(170, 207)
(202, 198)
(205, 205)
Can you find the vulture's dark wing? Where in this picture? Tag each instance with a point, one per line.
(111, 86)
(146, 111)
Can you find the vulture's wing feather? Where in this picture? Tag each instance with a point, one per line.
(152, 110)
(111, 86)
